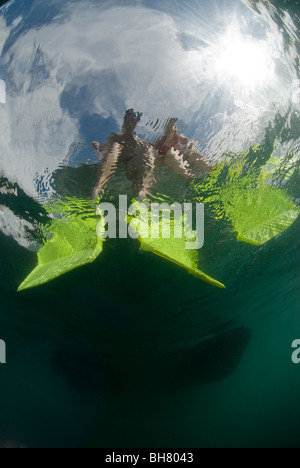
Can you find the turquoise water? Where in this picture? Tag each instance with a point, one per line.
(131, 351)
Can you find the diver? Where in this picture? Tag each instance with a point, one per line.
(179, 155)
(168, 148)
(137, 155)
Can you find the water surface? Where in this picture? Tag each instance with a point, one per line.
(131, 351)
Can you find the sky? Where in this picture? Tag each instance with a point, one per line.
(72, 69)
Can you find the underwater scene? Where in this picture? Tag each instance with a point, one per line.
(149, 223)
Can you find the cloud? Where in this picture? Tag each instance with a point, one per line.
(118, 44)
(2, 92)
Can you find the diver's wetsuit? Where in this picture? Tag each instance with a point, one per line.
(137, 155)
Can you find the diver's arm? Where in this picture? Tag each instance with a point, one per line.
(183, 140)
(96, 146)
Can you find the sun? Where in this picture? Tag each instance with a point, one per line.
(245, 60)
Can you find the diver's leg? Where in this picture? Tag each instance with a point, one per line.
(107, 167)
(176, 164)
(140, 170)
(131, 171)
(197, 163)
(145, 174)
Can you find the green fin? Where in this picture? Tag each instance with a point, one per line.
(171, 249)
(257, 211)
(260, 215)
(270, 229)
(74, 243)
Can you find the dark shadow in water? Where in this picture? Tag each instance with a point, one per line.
(214, 359)
(23, 206)
(80, 367)
(80, 180)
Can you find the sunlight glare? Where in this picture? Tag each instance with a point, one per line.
(246, 60)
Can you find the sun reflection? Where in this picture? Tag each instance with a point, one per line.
(244, 59)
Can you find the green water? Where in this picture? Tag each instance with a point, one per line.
(131, 351)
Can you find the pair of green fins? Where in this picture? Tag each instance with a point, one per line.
(257, 215)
